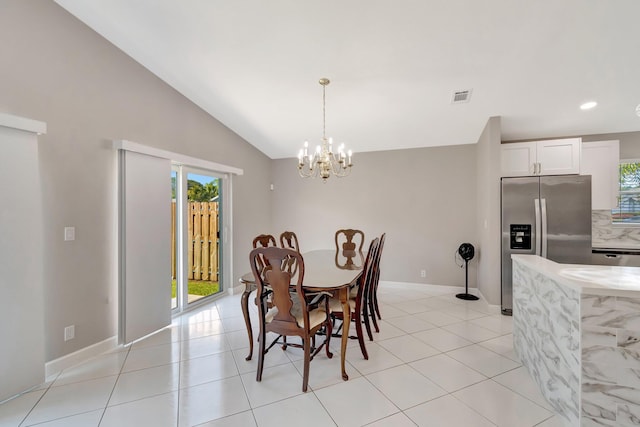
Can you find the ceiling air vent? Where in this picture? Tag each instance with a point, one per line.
(461, 96)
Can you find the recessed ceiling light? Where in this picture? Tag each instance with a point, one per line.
(588, 105)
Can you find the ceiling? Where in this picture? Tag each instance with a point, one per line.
(394, 65)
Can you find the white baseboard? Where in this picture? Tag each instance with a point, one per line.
(236, 290)
(58, 365)
(497, 306)
(392, 283)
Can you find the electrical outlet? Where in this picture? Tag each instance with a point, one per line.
(423, 273)
(69, 234)
(69, 332)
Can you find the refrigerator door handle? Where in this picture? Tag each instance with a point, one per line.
(536, 208)
(543, 223)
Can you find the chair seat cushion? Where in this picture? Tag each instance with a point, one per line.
(336, 305)
(316, 316)
(353, 292)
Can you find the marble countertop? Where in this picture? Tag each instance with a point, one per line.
(595, 279)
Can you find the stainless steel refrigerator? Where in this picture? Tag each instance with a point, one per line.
(548, 216)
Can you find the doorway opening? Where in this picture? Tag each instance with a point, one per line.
(196, 245)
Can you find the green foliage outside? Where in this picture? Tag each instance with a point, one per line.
(629, 202)
(629, 176)
(197, 192)
(198, 287)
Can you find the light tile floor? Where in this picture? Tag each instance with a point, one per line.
(437, 361)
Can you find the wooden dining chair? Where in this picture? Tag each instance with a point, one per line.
(260, 241)
(374, 308)
(264, 241)
(288, 239)
(349, 241)
(290, 314)
(358, 301)
(349, 244)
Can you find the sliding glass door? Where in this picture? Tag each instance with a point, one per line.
(197, 247)
(175, 247)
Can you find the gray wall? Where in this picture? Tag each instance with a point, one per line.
(57, 70)
(488, 218)
(424, 199)
(629, 143)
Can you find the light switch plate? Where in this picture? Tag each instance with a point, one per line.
(69, 332)
(69, 233)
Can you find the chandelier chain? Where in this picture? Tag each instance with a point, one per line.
(324, 116)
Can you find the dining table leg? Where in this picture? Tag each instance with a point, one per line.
(244, 303)
(346, 310)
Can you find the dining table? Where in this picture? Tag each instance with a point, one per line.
(325, 270)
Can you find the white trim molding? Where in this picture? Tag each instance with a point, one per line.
(22, 123)
(56, 366)
(176, 158)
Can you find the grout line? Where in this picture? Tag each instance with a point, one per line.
(37, 401)
(353, 349)
(235, 361)
(178, 392)
(114, 385)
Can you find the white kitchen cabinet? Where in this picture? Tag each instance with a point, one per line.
(518, 159)
(601, 159)
(549, 157)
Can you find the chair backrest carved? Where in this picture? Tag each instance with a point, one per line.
(376, 267)
(264, 241)
(367, 276)
(349, 244)
(348, 241)
(288, 239)
(277, 282)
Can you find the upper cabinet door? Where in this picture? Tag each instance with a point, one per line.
(518, 159)
(559, 156)
(550, 157)
(601, 160)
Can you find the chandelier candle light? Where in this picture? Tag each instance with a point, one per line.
(324, 162)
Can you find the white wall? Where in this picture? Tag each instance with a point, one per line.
(55, 69)
(629, 142)
(488, 219)
(424, 199)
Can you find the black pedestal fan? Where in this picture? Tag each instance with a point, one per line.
(466, 251)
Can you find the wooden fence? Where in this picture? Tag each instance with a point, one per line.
(202, 241)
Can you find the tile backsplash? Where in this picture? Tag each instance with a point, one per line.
(606, 235)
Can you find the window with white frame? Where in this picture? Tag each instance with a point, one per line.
(628, 210)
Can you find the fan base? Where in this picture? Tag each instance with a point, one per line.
(468, 297)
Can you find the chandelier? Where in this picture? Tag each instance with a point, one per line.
(324, 161)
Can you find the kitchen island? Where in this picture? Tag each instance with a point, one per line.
(576, 328)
